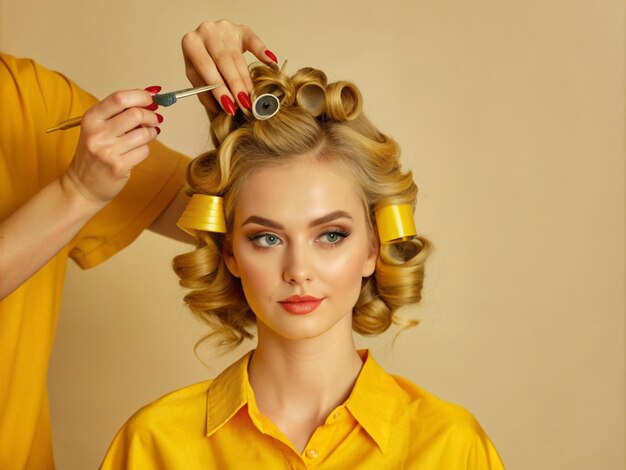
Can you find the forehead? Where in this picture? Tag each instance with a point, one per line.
(303, 188)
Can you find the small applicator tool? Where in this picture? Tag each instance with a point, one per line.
(168, 99)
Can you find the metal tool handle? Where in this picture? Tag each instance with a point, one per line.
(195, 91)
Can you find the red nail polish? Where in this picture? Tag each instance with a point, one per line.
(152, 107)
(228, 105)
(153, 90)
(244, 99)
(271, 55)
(158, 130)
(159, 118)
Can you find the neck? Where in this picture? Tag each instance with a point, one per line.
(303, 377)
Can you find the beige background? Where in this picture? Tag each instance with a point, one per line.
(511, 115)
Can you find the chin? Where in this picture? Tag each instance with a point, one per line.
(309, 328)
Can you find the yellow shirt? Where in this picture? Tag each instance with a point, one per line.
(33, 98)
(386, 423)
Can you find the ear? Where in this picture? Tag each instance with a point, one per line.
(372, 255)
(229, 259)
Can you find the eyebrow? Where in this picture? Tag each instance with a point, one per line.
(329, 218)
(255, 219)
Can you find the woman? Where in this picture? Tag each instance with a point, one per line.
(310, 237)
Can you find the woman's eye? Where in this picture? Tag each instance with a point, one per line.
(266, 240)
(334, 237)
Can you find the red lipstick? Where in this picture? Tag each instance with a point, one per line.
(300, 304)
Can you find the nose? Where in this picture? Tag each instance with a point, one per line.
(297, 265)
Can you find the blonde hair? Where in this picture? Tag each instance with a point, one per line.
(326, 120)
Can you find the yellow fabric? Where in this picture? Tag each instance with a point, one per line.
(33, 98)
(386, 423)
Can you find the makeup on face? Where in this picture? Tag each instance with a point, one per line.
(331, 230)
(300, 304)
(301, 246)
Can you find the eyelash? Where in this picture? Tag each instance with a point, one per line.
(343, 234)
(255, 240)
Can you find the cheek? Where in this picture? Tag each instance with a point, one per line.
(254, 274)
(258, 275)
(344, 270)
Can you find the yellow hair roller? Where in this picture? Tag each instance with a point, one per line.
(395, 223)
(205, 213)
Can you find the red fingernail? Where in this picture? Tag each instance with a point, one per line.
(271, 55)
(159, 118)
(152, 107)
(228, 105)
(153, 90)
(244, 99)
(158, 130)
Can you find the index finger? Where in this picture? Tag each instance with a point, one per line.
(117, 102)
(252, 43)
(199, 63)
(234, 68)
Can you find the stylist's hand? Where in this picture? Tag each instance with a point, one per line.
(214, 54)
(113, 139)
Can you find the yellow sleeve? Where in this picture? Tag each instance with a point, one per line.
(152, 186)
(35, 98)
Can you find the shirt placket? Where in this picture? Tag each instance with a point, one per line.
(319, 446)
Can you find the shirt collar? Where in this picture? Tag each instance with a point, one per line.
(227, 394)
(373, 401)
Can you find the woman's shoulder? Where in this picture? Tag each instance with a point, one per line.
(411, 401)
(185, 408)
(174, 421)
(428, 404)
(186, 402)
(411, 407)
(429, 431)
(440, 420)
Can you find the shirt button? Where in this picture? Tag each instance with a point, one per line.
(312, 454)
(337, 415)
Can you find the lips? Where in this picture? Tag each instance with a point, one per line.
(300, 304)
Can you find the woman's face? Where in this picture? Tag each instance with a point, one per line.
(301, 246)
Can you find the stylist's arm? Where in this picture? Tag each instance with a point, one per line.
(113, 140)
